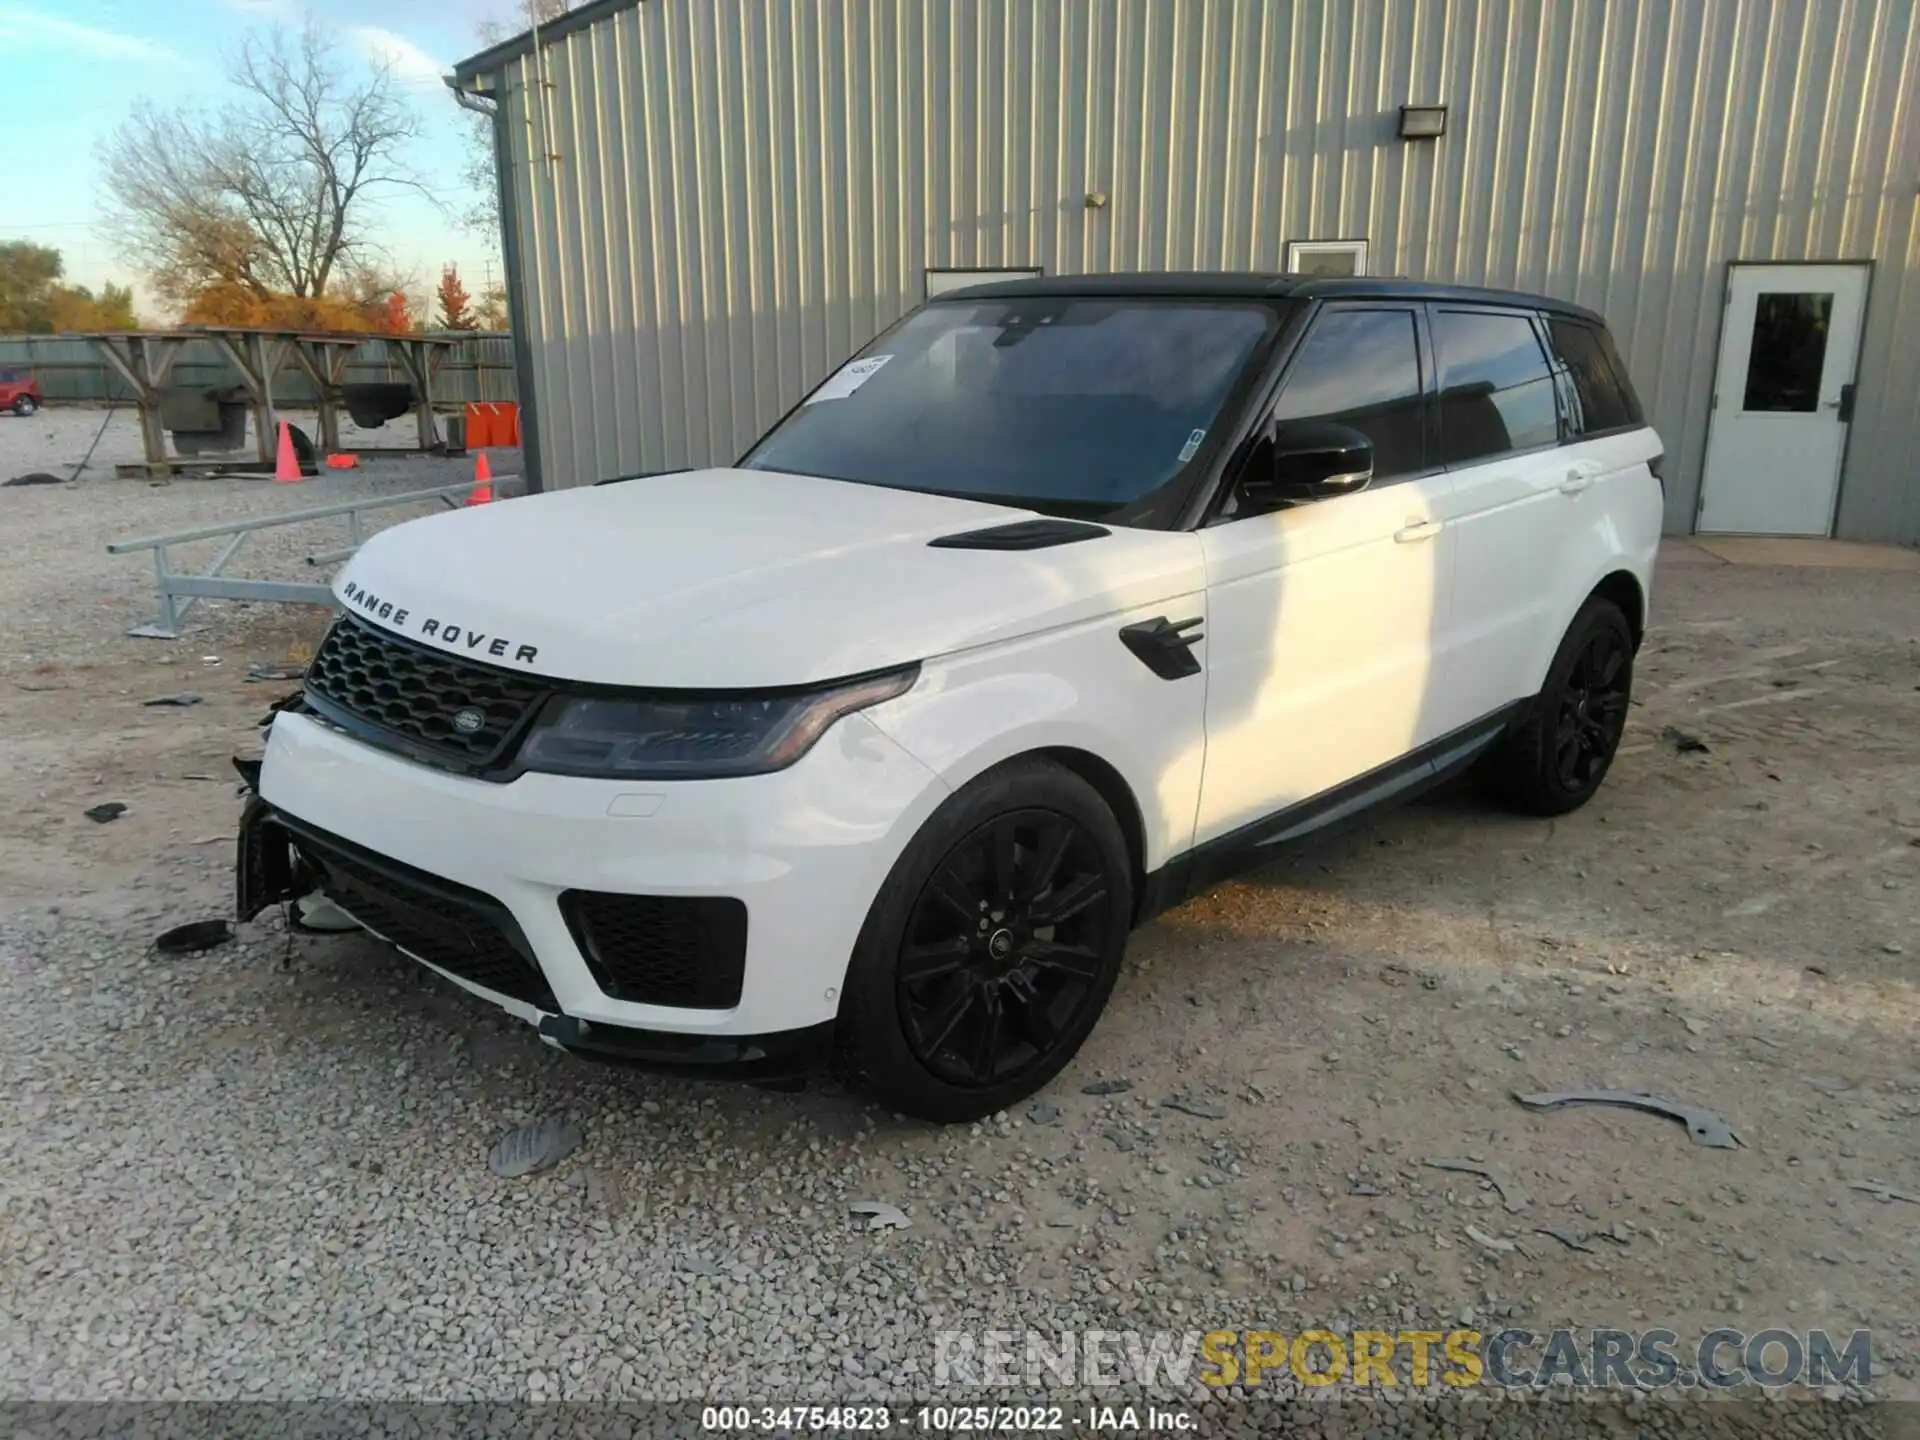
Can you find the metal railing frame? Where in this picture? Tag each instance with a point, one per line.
(174, 587)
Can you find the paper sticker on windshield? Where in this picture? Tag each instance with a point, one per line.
(850, 378)
(1192, 447)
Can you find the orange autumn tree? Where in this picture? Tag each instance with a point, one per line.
(391, 316)
(456, 305)
(232, 303)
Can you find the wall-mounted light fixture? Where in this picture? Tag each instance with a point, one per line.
(1423, 122)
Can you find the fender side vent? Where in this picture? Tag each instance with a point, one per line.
(1022, 535)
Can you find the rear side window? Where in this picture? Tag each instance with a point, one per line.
(1496, 389)
(1362, 368)
(1600, 399)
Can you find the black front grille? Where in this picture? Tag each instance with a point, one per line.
(406, 696)
(684, 950)
(463, 931)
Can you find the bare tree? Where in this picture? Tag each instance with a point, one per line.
(482, 213)
(274, 192)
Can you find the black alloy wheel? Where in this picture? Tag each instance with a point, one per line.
(1556, 759)
(1591, 710)
(990, 950)
(1004, 948)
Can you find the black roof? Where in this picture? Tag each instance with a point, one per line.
(1216, 284)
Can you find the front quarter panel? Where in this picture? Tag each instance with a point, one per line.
(1076, 688)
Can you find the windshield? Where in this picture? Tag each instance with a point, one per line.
(1073, 406)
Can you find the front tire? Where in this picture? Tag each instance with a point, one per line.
(992, 948)
(1556, 760)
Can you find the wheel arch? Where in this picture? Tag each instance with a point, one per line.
(1113, 789)
(1623, 588)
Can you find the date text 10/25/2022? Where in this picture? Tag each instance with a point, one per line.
(947, 1419)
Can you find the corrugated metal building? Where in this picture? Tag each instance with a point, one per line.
(709, 203)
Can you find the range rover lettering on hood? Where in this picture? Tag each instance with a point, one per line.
(447, 632)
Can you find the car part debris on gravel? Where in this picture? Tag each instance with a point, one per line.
(1512, 1193)
(101, 814)
(882, 1216)
(1685, 743)
(1704, 1126)
(193, 937)
(1569, 1238)
(180, 701)
(533, 1147)
(1187, 1105)
(1885, 1194)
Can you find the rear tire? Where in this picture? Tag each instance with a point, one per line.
(24, 405)
(1557, 758)
(992, 947)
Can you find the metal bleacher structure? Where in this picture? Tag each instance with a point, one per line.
(203, 383)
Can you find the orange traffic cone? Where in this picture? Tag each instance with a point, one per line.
(482, 481)
(286, 469)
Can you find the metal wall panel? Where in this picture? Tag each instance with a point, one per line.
(719, 199)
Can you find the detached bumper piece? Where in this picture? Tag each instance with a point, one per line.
(781, 1056)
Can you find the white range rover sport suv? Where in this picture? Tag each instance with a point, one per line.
(1062, 599)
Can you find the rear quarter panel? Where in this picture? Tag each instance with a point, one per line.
(1616, 527)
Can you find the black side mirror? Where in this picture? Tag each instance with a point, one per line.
(1307, 460)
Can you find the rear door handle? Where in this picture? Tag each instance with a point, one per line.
(1416, 530)
(1575, 482)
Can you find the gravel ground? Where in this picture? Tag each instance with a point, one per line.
(71, 602)
(261, 1172)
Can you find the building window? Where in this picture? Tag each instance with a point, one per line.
(1335, 258)
(939, 282)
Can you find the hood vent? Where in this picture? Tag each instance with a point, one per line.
(1022, 535)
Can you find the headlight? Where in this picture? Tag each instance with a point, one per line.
(669, 737)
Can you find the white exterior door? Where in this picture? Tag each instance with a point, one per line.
(1324, 620)
(1782, 399)
(1323, 624)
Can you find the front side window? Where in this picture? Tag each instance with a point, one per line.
(1599, 399)
(1068, 405)
(1362, 368)
(1496, 390)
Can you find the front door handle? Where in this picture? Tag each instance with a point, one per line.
(1416, 530)
(1575, 483)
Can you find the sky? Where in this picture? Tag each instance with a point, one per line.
(69, 70)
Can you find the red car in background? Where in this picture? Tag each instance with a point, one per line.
(19, 391)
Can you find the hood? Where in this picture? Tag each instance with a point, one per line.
(738, 579)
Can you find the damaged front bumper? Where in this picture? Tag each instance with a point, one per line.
(473, 940)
